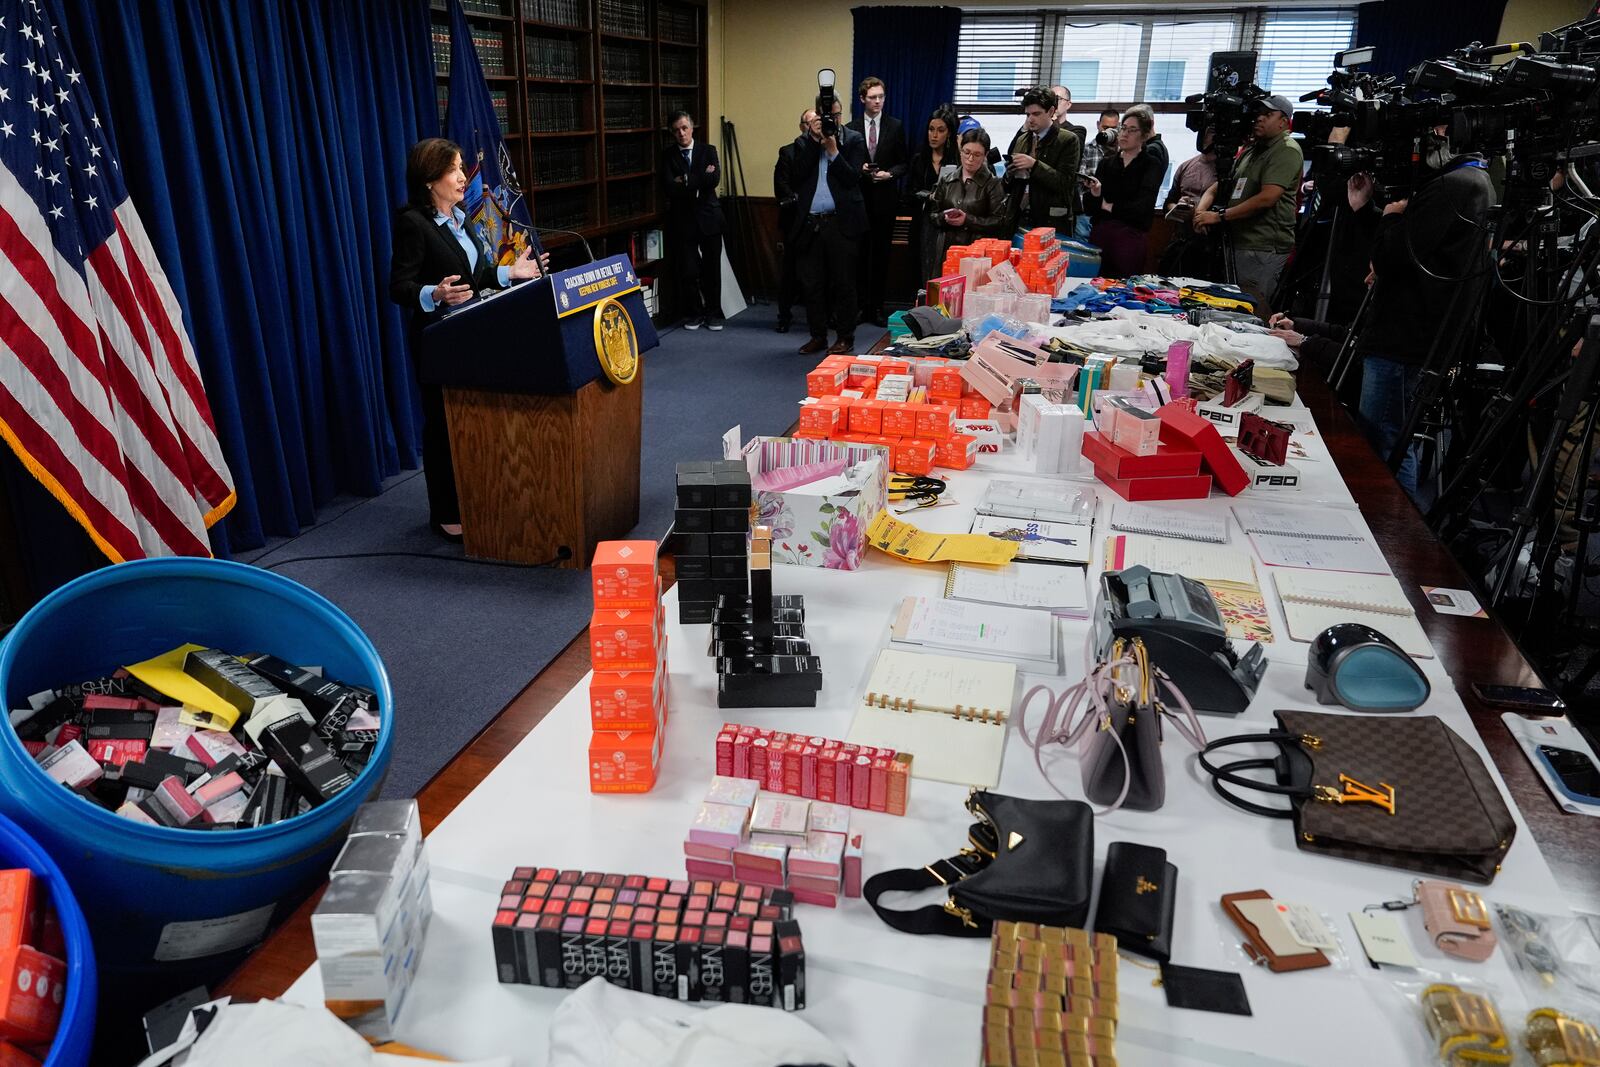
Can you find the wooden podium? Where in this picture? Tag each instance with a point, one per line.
(546, 446)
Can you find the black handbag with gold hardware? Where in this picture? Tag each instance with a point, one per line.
(1026, 861)
(1399, 792)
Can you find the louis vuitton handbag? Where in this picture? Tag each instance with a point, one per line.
(1398, 792)
(1025, 860)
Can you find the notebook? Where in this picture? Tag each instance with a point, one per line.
(987, 630)
(1039, 539)
(1169, 522)
(1040, 586)
(949, 712)
(1316, 600)
(1322, 539)
(1228, 573)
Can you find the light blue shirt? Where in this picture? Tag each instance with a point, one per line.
(822, 199)
(457, 222)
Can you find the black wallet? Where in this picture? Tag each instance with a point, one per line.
(1138, 892)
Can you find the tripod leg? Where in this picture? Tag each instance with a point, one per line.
(1347, 350)
(1441, 357)
(1525, 517)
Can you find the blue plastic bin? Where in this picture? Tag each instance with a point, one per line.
(76, 1033)
(170, 909)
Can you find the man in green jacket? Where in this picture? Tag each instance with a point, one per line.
(1042, 167)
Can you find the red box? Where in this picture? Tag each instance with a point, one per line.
(878, 797)
(624, 762)
(725, 754)
(741, 756)
(1171, 487)
(899, 784)
(759, 754)
(12, 1056)
(843, 772)
(946, 382)
(623, 639)
(624, 574)
(866, 416)
(825, 381)
(117, 751)
(899, 419)
(956, 451)
(820, 419)
(624, 700)
(1119, 463)
(30, 1010)
(861, 782)
(914, 457)
(19, 909)
(1183, 427)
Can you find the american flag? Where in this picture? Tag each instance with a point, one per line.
(100, 394)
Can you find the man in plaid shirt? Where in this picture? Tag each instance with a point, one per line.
(1094, 150)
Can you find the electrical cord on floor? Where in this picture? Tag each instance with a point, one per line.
(561, 557)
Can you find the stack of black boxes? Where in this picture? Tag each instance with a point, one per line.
(759, 642)
(710, 535)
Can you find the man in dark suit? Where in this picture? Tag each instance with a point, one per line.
(690, 173)
(830, 218)
(783, 191)
(887, 158)
(1042, 167)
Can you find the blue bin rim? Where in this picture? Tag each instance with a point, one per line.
(187, 566)
(82, 977)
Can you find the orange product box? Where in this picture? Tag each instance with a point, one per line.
(899, 784)
(945, 382)
(893, 366)
(624, 574)
(974, 407)
(820, 418)
(933, 422)
(623, 639)
(956, 451)
(913, 456)
(19, 909)
(816, 433)
(842, 402)
(625, 700)
(825, 381)
(866, 416)
(899, 419)
(624, 762)
(32, 988)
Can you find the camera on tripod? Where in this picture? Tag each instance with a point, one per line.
(827, 101)
(1230, 104)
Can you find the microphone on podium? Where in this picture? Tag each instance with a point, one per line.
(570, 233)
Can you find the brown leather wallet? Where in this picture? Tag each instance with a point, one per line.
(1260, 948)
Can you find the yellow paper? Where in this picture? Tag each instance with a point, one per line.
(164, 674)
(905, 541)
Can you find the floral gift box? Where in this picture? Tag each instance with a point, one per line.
(817, 497)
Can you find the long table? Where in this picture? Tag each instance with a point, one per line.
(534, 808)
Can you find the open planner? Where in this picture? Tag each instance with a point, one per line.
(1316, 600)
(949, 712)
(1324, 539)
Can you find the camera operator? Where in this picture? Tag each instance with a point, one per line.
(1259, 218)
(783, 191)
(1094, 150)
(1042, 167)
(830, 218)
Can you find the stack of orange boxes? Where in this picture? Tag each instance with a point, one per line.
(919, 433)
(628, 646)
(1041, 261)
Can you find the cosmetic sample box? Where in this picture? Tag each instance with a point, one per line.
(816, 768)
(758, 642)
(700, 940)
(709, 534)
(628, 647)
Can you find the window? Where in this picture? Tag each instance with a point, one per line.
(1082, 76)
(1113, 49)
(997, 80)
(1185, 45)
(995, 57)
(1297, 49)
(1166, 80)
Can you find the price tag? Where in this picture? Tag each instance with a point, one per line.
(1307, 927)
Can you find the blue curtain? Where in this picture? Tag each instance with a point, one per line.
(913, 49)
(264, 144)
(1406, 34)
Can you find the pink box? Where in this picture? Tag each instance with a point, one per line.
(741, 756)
(793, 768)
(852, 866)
(878, 798)
(735, 792)
(843, 771)
(861, 781)
(759, 747)
(813, 884)
(722, 826)
(754, 857)
(823, 900)
(822, 857)
(713, 853)
(725, 754)
(708, 869)
(746, 874)
(829, 818)
(808, 770)
(176, 801)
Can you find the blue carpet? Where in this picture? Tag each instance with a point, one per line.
(460, 639)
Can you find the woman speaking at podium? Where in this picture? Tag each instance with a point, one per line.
(439, 262)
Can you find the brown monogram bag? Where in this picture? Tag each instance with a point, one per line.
(1398, 792)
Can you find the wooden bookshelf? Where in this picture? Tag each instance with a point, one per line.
(582, 90)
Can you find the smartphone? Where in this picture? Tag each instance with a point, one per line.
(1579, 777)
(1518, 698)
(951, 212)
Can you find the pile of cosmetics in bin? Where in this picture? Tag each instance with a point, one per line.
(200, 739)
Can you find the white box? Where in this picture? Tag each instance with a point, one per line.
(1264, 476)
(1221, 414)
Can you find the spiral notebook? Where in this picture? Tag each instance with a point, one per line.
(1051, 587)
(1169, 522)
(949, 712)
(1316, 600)
(1322, 539)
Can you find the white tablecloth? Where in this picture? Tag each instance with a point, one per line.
(891, 998)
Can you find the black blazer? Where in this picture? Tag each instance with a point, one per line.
(844, 181)
(425, 253)
(692, 204)
(883, 198)
(783, 188)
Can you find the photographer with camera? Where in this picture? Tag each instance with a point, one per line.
(830, 218)
(1042, 167)
(1094, 150)
(1259, 216)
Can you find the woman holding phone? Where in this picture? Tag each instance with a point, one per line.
(970, 203)
(1127, 182)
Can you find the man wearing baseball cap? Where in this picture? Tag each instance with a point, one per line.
(1259, 216)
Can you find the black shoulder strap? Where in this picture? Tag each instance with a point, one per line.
(1231, 772)
(932, 919)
